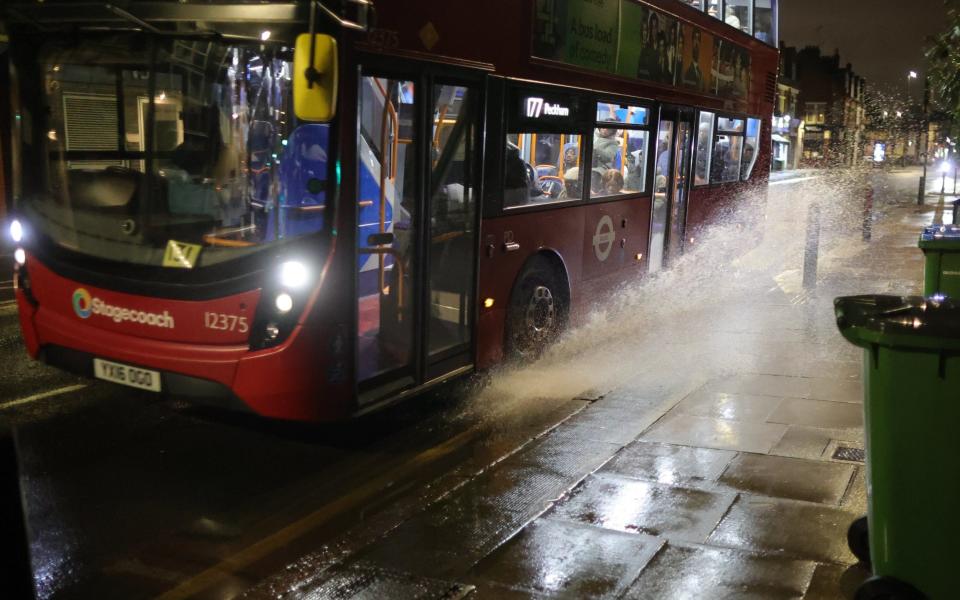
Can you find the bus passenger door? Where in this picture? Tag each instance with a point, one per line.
(418, 153)
(670, 187)
(386, 229)
(452, 227)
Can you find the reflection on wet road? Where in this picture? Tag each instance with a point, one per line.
(680, 436)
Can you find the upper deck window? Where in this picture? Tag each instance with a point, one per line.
(739, 14)
(763, 21)
(713, 8)
(753, 17)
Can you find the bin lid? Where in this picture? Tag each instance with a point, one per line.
(940, 236)
(909, 322)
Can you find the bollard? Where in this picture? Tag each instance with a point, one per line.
(868, 213)
(923, 189)
(811, 249)
(16, 574)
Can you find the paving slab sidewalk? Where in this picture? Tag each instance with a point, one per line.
(729, 487)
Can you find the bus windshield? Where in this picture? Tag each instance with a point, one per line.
(135, 144)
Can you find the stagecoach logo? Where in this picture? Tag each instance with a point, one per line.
(603, 238)
(85, 305)
(537, 107)
(81, 303)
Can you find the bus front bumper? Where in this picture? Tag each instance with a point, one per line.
(282, 382)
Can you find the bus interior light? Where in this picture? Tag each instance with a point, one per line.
(20, 256)
(294, 274)
(16, 231)
(283, 302)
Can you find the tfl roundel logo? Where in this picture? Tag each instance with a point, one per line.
(81, 303)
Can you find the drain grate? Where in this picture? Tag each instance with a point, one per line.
(848, 453)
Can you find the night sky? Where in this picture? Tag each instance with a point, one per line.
(884, 39)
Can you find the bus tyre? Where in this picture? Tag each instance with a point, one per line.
(536, 316)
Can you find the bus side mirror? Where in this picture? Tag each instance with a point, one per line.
(315, 82)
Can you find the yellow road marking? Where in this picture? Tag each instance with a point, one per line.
(41, 396)
(283, 537)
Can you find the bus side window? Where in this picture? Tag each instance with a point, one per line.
(619, 160)
(541, 168)
(702, 170)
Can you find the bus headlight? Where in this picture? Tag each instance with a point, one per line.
(284, 295)
(283, 302)
(16, 231)
(294, 274)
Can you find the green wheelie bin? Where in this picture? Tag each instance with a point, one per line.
(912, 420)
(941, 260)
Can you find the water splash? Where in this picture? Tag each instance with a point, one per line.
(718, 309)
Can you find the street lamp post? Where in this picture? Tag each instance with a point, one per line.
(910, 75)
(921, 192)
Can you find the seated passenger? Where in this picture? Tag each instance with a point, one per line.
(611, 182)
(519, 184)
(571, 184)
(571, 153)
(596, 180)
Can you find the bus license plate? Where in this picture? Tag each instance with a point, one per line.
(144, 379)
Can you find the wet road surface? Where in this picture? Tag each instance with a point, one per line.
(621, 474)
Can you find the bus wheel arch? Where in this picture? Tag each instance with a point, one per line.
(539, 307)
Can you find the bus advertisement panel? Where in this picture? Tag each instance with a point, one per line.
(637, 41)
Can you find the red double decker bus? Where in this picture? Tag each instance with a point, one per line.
(302, 211)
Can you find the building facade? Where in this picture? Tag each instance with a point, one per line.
(787, 125)
(833, 110)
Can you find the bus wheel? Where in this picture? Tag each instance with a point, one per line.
(536, 317)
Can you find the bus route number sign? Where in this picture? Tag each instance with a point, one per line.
(537, 107)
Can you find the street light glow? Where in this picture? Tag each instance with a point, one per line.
(912, 74)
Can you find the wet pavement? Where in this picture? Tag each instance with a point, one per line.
(731, 486)
(681, 440)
